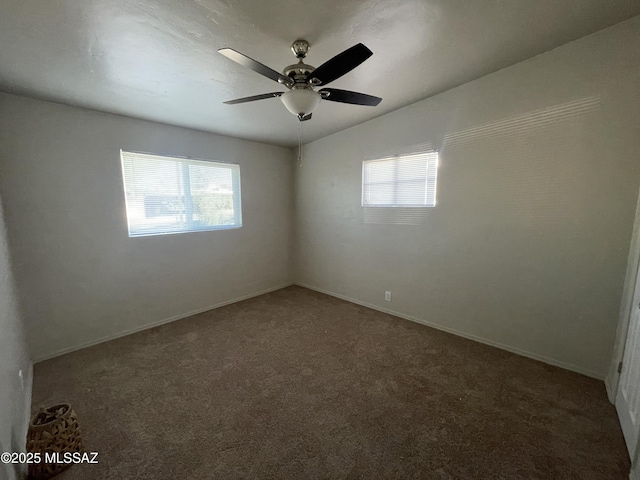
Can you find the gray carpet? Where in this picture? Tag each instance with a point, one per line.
(299, 385)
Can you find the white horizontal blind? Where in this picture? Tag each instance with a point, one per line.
(173, 195)
(400, 181)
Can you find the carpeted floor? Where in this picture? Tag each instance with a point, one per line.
(299, 385)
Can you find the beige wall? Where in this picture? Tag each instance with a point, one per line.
(527, 246)
(15, 367)
(81, 278)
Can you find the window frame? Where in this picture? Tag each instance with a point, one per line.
(188, 200)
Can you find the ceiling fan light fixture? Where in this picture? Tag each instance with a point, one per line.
(301, 101)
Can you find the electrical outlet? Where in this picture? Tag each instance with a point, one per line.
(387, 296)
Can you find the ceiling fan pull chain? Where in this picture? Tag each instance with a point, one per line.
(300, 144)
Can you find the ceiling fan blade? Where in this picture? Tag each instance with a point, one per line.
(305, 117)
(339, 65)
(345, 96)
(255, 66)
(254, 98)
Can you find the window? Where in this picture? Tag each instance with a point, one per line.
(173, 195)
(400, 181)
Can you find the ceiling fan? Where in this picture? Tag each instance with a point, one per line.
(302, 79)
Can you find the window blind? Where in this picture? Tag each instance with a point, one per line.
(172, 195)
(400, 180)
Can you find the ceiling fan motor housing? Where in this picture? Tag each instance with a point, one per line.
(298, 72)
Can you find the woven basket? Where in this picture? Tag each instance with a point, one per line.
(53, 429)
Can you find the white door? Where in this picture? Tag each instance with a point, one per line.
(628, 397)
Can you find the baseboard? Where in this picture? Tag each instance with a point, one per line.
(157, 323)
(524, 353)
(28, 392)
(28, 378)
(611, 391)
(508, 348)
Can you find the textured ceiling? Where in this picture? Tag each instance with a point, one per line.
(158, 60)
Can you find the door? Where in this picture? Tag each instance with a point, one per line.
(628, 396)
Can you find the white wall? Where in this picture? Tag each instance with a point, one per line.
(15, 367)
(527, 246)
(80, 276)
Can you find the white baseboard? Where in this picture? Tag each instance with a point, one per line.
(28, 379)
(508, 348)
(157, 323)
(611, 391)
(524, 353)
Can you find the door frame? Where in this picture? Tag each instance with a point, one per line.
(626, 307)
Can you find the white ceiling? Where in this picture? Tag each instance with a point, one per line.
(158, 60)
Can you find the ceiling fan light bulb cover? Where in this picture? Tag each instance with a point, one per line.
(301, 102)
